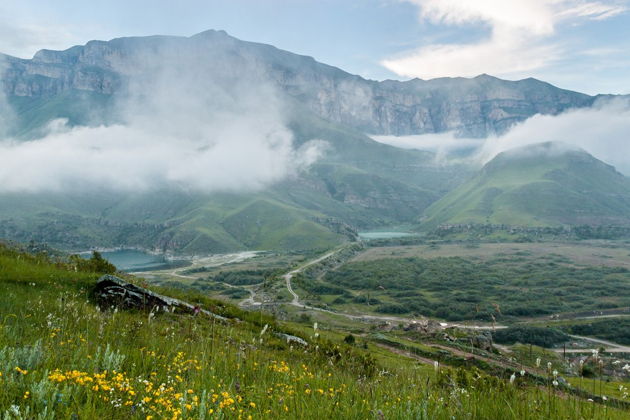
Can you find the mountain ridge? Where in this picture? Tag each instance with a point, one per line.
(473, 107)
(543, 184)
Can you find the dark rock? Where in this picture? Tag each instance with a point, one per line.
(112, 291)
(426, 326)
(483, 342)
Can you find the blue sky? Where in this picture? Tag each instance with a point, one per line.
(582, 45)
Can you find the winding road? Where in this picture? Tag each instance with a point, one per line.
(287, 277)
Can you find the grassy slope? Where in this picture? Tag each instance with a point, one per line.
(60, 357)
(359, 182)
(78, 107)
(536, 186)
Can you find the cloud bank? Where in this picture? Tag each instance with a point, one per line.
(603, 131)
(187, 122)
(519, 37)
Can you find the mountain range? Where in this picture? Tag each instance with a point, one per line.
(357, 184)
(471, 107)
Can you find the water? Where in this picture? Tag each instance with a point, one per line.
(383, 235)
(134, 260)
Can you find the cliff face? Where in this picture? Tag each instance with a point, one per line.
(471, 107)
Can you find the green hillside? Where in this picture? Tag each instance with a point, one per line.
(357, 184)
(545, 184)
(63, 357)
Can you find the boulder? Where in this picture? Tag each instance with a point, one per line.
(292, 339)
(425, 326)
(112, 291)
(483, 341)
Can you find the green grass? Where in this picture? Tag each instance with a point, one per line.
(537, 186)
(61, 357)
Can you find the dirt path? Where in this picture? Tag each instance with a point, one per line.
(406, 354)
(468, 355)
(250, 300)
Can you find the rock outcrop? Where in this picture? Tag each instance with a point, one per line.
(112, 291)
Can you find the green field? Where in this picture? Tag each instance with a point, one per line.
(503, 282)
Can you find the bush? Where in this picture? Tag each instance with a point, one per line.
(539, 336)
(392, 309)
(96, 264)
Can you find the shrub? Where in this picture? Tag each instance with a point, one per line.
(539, 336)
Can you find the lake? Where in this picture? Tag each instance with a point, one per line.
(383, 235)
(132, 260)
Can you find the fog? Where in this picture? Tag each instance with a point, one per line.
(447, 147)
(6, 113)
(603, 131)
(185, 120)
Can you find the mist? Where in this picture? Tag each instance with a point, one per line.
(602, 130)
(447, 147)
(6, 112)
(186, 119)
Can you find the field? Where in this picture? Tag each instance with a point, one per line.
(609, 253)
(483, 281)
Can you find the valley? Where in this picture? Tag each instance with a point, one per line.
(263, 249)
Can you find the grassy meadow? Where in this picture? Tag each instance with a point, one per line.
(63, 357)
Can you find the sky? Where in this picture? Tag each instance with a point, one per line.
(582, 45)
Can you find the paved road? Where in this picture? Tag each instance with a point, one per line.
(295, 301)
(287, 277)
(608, 345)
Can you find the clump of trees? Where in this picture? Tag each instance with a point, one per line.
(95, 264)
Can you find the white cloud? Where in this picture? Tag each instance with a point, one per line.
(520, 37)
(239, 155)
(601, 130)
(189, 121)
(444, 145)
(23, 39)
(592, 9)
(531, 15)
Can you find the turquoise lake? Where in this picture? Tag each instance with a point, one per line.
(135, 260)
(383, 235)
